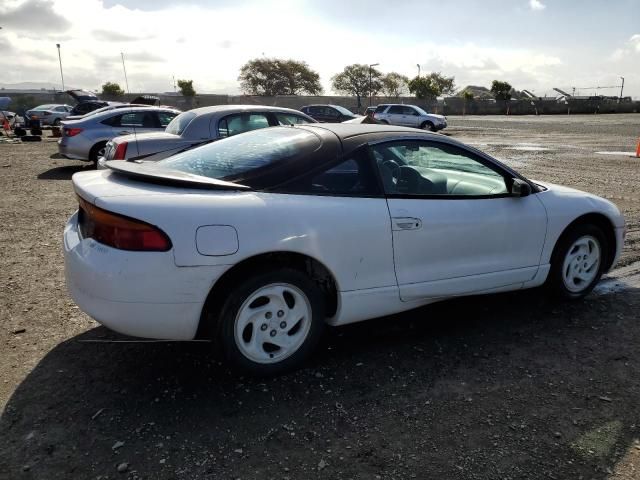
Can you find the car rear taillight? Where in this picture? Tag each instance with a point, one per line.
(121, 151)
(71, 132)
(120, 232)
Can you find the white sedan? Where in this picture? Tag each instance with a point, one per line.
(260, 240)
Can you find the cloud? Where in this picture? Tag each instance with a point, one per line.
(143, 57)
(628, 50)
(34, 15)
(536, 5)
(111, 36)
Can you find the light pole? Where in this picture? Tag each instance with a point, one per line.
(621, 88)
(370, 92)
(418, 65)
(126, 81)
(60, 60)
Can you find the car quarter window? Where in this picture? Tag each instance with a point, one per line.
(290, 119)
(353, 176)
(241, 122)
(414, 167)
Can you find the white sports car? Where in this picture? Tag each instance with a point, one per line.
(261, 239)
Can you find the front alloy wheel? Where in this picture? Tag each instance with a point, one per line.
(581, 263)
(578, 261)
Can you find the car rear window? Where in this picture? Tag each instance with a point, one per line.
(180, 123)
(243, 157)
(381, 108)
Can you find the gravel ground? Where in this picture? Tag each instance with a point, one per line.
(507, 386)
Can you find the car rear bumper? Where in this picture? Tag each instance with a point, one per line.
(70, 150)
(143, 294)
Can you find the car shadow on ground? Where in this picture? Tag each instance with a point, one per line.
(500, 386)
(65, 172)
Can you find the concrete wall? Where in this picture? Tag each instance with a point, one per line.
(448, 106)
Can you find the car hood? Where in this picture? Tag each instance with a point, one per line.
(435, 115)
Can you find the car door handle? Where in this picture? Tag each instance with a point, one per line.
(124, 132)
(406, 223)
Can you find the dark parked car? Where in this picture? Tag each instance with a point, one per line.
(89, 102)
(329, 113)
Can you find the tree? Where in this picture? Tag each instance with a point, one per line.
(186, 88)
(358, 80)
(431, 86)
(501, 90)
(113, 89)
(394, 84)
(468, 97)
(275, 76)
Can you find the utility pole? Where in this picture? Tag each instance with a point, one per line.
(174, 84)
(370, 93)
(418, 65)
(621, 89)
(60, 60)
(125, 72)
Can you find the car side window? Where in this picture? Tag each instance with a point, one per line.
(396, 110)
(241, 122)
(413, 167)
(290, 119)
(353, 176)
(410, 111)
(165, 118)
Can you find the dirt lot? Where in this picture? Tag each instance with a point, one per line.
(508, 386)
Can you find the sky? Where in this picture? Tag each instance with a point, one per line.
(532, 44)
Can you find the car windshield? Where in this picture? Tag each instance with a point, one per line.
(179, 123)
(45, 107)
(342, 110)
(419, 110)
(245, 156)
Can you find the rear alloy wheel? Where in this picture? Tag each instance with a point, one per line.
(578, 262)
(56, 122)
(272, 322)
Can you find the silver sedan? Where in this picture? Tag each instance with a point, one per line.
(85, 139)
(199, 126)
(49, 114)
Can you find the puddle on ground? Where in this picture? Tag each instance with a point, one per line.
(626, 154)
(529, 147)
(619, 280)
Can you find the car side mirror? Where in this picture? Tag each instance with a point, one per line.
(520, 188)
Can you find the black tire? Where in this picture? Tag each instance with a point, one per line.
(56, 122)
(384, 122)
(428, 126)
(556, 281)
(93, 153)
(235, 301)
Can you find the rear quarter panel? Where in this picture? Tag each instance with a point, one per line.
(350, 236)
